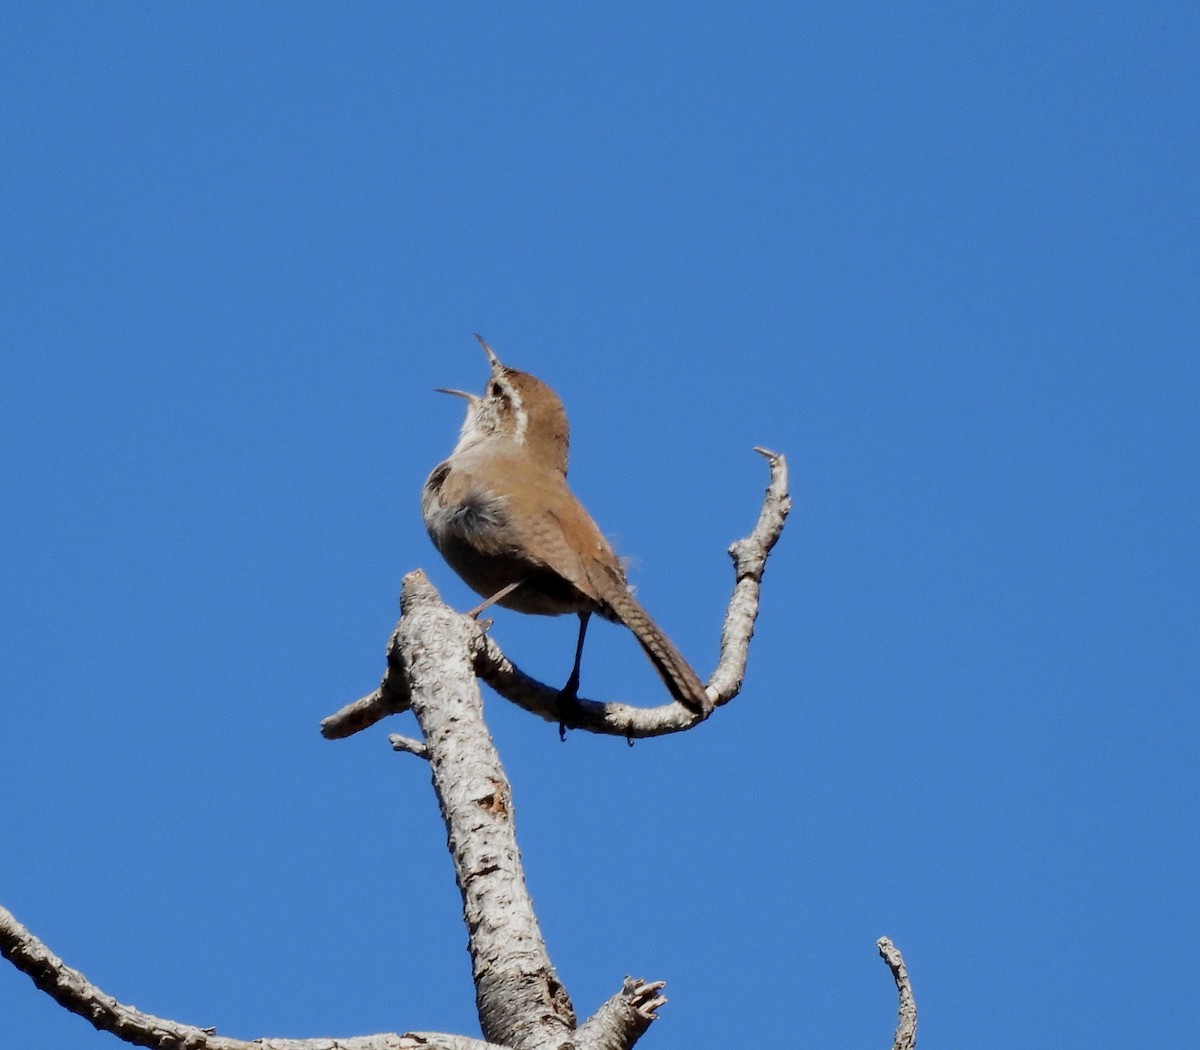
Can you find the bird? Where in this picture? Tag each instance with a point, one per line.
(500, 513)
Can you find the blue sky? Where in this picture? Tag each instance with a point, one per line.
(944, 256)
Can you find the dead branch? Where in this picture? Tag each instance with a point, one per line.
(521, 1002)
(390, 698)
(623, 1019)
(74, 992)
(906, 1026)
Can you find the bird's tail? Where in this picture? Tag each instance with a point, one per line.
(676, 673)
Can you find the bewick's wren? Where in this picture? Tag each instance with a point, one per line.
(500, 513)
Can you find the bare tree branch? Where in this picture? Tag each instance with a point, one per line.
(437, 1041)
(749, 562)
(389, 699)
(71, 990)
(624, 1018)
(906, 1026)
(521, 1002)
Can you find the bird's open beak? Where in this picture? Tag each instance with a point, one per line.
(472, 398)
(493, 360)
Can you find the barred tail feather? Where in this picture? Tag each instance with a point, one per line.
(676, 673)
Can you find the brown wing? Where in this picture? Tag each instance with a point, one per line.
(562, 537)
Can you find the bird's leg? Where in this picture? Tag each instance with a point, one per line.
(569, 694)
(571, 689)
(500, 595)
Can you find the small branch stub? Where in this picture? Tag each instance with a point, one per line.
(624, 1018)
(390, 698)
(408, 744)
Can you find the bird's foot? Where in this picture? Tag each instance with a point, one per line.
(568, 706)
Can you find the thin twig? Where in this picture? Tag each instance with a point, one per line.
(906, 1025)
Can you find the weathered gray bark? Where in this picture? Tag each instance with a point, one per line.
(520, 1000)
(70, 989)
(435, 658)
(906, 1023)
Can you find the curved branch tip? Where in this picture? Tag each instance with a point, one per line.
(906, 1025)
